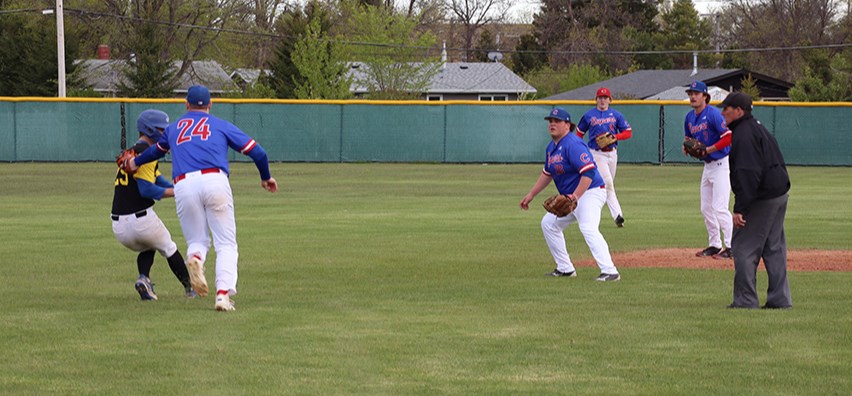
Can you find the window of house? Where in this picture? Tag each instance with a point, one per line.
(493, 98)
(434, 97)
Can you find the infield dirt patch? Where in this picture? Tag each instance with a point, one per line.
(797, 260)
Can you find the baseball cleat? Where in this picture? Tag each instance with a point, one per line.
(608, 278)
(709, 252)
(619, 221)
(725, 254)
(145, 288)
(196, 275)
(557, 272)
(190, 293)
(224, 303)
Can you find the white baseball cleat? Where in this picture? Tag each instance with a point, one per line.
(224, 303)
(196, 275)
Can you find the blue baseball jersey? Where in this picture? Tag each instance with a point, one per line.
(567, 161)
(596, 122)
(707, 127)
(200, 141)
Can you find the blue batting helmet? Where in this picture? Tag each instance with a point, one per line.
(151, 123)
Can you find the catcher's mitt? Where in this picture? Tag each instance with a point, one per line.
(604, 140)
(560, 204)
(124, 158)
(694, 148)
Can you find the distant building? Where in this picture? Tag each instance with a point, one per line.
(482, 81)
(247, 77)
(652, 84)
(104, 76)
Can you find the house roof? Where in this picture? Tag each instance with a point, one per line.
(104, 75)
(460, 78)
(643, 84)
(679, 93)
(249, 76)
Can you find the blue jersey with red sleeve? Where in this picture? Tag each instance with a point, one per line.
(199, 141)
(708, 127)
(567, 161)
(596, 122)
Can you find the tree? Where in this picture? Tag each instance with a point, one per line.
(585, 31)
(550, 82)
(832, 84)
(149, 73)
(749, 87)
(28, 59)
(528, 55)
(293, 24)
(484, 45)
(682, 29)
(396, 61)
(320, 62)
(473, 15)
(781, 23)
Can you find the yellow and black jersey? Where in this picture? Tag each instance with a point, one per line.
(127, 199)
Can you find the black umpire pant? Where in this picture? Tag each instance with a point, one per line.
(762, 237)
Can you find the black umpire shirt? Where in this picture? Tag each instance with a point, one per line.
(758, 171)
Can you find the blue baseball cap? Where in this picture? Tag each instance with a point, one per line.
(697, 86)
(198, 95)
(559, 113)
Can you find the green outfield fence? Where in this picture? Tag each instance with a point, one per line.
(86, 129)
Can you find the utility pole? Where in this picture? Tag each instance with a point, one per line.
(60, 46)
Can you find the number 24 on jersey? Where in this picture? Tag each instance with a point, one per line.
(190, 128)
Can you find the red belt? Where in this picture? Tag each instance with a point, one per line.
(203, 172)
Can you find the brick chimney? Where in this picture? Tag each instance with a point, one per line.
(103, 52)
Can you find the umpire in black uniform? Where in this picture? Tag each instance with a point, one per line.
(760, 184)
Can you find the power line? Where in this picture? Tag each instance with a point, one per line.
(429, 49)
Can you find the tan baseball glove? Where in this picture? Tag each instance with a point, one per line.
(124, 158)
(694, 148)
(604, 140)
(561, 204)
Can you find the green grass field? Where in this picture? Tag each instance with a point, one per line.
(398, 279)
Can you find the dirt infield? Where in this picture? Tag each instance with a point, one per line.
(797, 260)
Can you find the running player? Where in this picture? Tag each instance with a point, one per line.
(134, 223)
(571, 167)
(598, 121)
(199, 145)
(706, 124)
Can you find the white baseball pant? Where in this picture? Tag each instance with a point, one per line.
(205, 202)
(607, 162)
(715, 201)
(144, 233)
(587, 215)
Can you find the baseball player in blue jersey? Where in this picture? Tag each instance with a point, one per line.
(134, 222)
(199, 144)
(570, 165)
(599, 121)
(706, 124)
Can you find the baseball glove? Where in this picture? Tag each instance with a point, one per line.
(124, 158)
(694, 148)
(561, 204)
(604, 140)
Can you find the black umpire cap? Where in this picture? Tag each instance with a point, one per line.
(737, 99)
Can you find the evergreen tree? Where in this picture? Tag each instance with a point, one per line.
(528, 56)
(28, 61)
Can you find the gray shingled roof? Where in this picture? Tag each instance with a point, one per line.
(642, 84)
(249, 76)
(463, 77)
(104, 75)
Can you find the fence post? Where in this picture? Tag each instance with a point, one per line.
(661, 145)
(123, 127)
